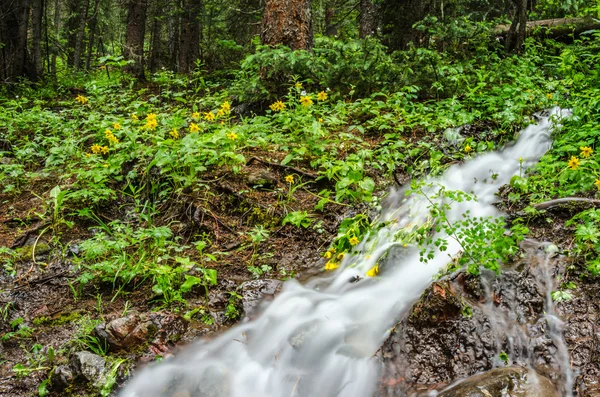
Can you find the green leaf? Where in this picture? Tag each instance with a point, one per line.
(189, 283)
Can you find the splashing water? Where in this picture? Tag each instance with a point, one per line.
(319, 339)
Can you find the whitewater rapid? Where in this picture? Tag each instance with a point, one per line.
(319, 339)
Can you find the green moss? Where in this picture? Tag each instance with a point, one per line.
(25, 254)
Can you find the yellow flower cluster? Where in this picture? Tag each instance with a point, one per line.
(196, 115)
(209, 116)
(586, 151)
(151, 122)
(232, 135)
(226, 107)
(277, 106)
(573, 163)
(81, 99)
(134, 117)
(117, 126)
(322, 96)
(194, 127)
(174, 133)
(468, 149)
(374, 271)
(354, 240)
(331, 265)
(597, 183)
(298, 85)
(306, 101)
(97, 149)
(111, 137)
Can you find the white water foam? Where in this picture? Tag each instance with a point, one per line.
(319, 339)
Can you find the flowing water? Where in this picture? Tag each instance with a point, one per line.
(319, 339)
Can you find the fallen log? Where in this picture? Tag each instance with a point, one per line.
(555, 28)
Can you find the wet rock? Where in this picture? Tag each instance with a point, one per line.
(89, 366)
(500, 382)
(261, 178)
(63, 376)
(460, 325)
(254, 291)
(138, 330)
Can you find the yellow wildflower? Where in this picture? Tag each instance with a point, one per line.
(209, 116)
(117, 126)
(151, 124)
(468, 149)
(574, 163)
(320, 120)
(289, 179)
(195, 115)
(151, 116)
(331, 265)
(597, 183)
(104, 149)
(306, 101)
(96, 148)
(107, 133)
(220, 113)
(174, 133)
(226, 107)
(134, 117)
(586, 151)
(298, 85)
(327, 254)
(321, 96)
(194, 127)
(232, 135)
(549, 96)
(81, 99)
(105, 165)
(354, 240)
(374, 271)
(277, 106)
(341, 256)
(113, 139)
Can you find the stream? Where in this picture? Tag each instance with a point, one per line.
(320, 338)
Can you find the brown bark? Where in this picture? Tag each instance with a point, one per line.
(134, 36)
(330, 26)
(156, 42)
(173, 32)
(518, 29)
(93, 24)
(367, 19)
(189, 45)
(72, 28)
(288, 22)
(56, 34)
(80, 35)
(36, 40)
(13, 35)
(555, 27)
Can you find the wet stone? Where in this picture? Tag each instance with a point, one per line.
(154, 329)
(254, 291)
(261, 179)
(499, 382)
(89, 366)
(63, 376)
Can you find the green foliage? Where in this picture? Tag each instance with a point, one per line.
(483, 240)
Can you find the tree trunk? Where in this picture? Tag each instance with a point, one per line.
(367, 19)
(80, 35)
(72, 28)
(518, 29)
(173, 32)
(134, 36)
(156, 42)
(13, 35)
(36, 41)
(93, 24)
(555, 28)
(330, 26)
(189, 45)
(288, 22)
(56, 35)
